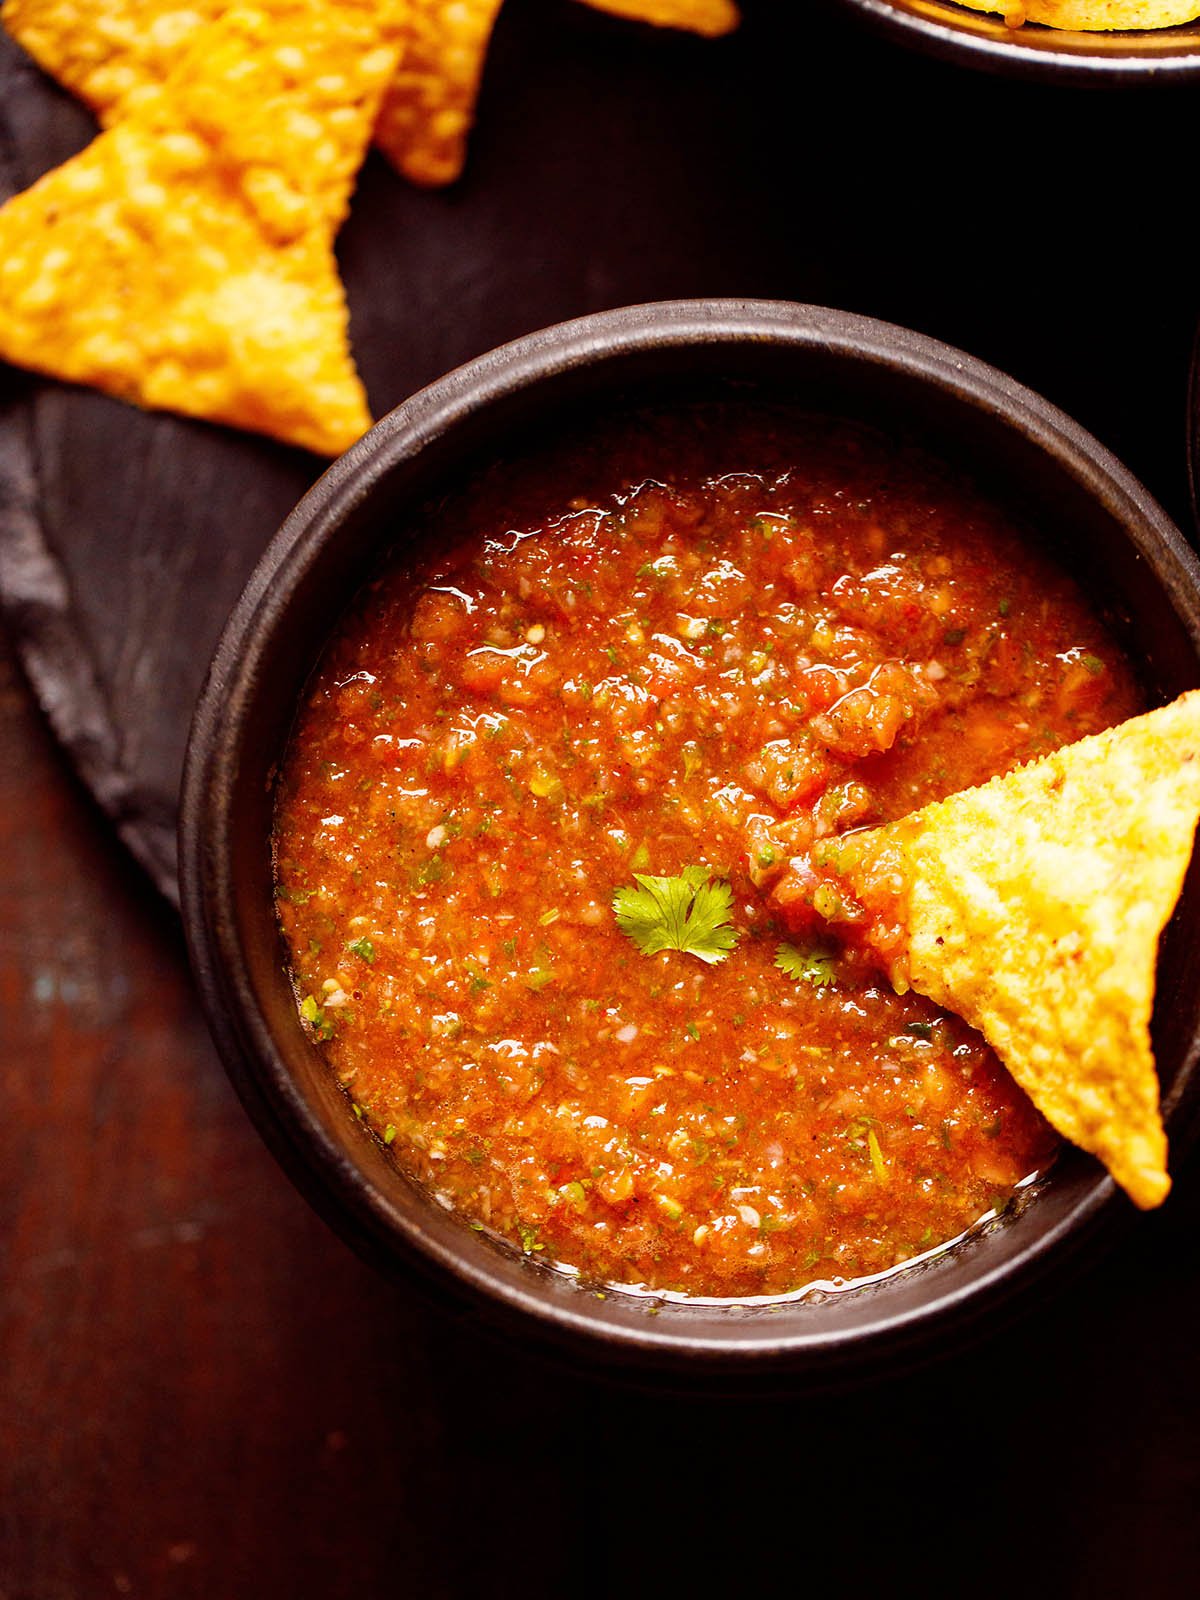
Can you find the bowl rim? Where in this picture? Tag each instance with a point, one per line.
(338, 1187)
(1062, 57)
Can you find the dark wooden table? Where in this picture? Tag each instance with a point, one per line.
(202, 1392)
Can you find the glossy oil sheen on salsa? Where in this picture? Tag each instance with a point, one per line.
(711, 638)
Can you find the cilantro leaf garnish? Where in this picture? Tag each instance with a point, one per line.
(813, 966)
(690, 912)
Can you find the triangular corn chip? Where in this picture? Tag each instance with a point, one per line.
(708, 17)
(118, 54)
(430, 105)
(111, 52)
(184, 260)
(1093, 16)
(108, 52)
(1032, 908)
(428, 111)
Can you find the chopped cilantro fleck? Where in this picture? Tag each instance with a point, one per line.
(814, 965)
(432, 871)
(663, 567)
(690, 912)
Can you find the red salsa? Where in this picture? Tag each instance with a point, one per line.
(704, 639)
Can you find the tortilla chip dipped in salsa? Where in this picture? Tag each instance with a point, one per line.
(1032, 907)
(1092, 16)
(184, 260)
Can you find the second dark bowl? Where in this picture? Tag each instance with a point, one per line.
(980, 39)
(1023, 452)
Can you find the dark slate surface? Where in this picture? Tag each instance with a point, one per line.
(1047, 230)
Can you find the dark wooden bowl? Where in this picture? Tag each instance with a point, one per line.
(1021, 450)
(978, 39)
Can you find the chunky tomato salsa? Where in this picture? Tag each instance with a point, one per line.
(546, 787)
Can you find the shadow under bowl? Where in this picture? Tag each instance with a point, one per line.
(1023, 453)
(979, 39)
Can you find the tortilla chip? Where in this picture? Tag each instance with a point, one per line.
(708, 17)
(1032, 908)
(118, 54)
(111, 53)
(184, 260)
(1092, 16)
(107, 51)
(429, 108)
